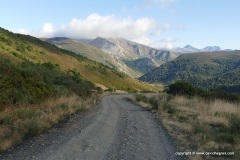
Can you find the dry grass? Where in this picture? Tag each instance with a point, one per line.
(24, 121)
(199, 125)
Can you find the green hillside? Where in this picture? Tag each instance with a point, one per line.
(142, 65)
(207, 70)
(19, 48)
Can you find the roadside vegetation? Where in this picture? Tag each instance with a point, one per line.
(199, 120)
(33, 97)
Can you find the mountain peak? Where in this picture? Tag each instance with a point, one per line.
(212, 48)
(190, 47)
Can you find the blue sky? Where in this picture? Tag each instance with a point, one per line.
(158, 23)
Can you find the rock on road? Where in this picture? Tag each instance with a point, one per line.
(116, 129)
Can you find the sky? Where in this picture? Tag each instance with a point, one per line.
(156, 23)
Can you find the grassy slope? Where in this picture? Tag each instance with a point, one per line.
(87, 51)
(20, 47)
(93, 53)
(207, 70)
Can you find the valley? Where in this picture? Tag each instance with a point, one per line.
(117, 52)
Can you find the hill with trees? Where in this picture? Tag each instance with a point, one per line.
(205, 70)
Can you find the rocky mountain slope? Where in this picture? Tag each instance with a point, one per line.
(118, 53)
(121, 48)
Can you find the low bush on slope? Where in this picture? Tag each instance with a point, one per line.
(31, 83)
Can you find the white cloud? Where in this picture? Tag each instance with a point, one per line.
(107, 26)
(144, 40)
(47, 30)
(168, 43)
(142, 30)
(168, 46)
(169, 40)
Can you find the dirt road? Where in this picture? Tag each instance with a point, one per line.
(116, 129)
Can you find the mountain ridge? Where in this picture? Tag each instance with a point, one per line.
(191, 49)
(207, 70)
(119, 51)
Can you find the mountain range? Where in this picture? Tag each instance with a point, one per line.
(191, 49)
(118, 53)
(127, 56)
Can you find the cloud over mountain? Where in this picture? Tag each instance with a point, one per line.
(142, 30)
(107, 26)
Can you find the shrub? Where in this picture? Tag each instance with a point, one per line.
(32, 128)
(198, 128)
(154, 102)
(224, 137)
(21, 48)
(138, 97)
(119, 74)
(29, 48)
(182, 88)
(111, 89)
(172, 110)
(234, 124)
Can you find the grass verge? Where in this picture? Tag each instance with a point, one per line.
(25, 121)
(198, 125)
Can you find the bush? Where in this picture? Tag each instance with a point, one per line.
(111, 89)
(182, 88)
(198, 128)
(154, 102)
(140, 97)
(234, 125)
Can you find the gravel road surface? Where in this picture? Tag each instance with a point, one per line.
(116, 129)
